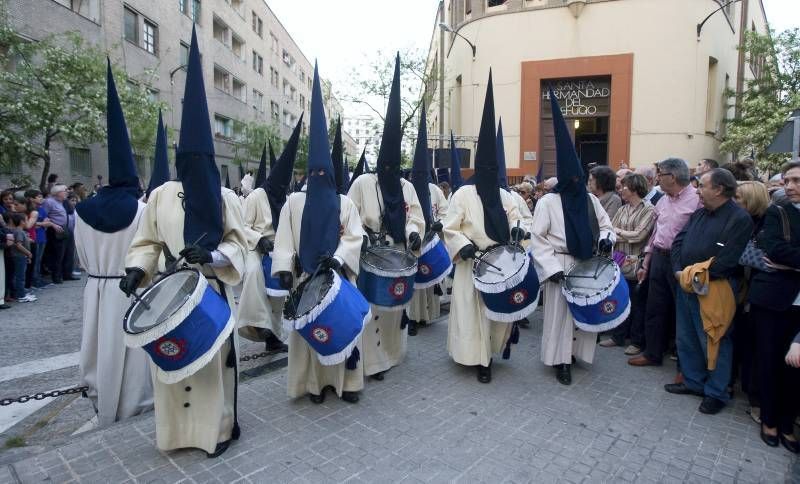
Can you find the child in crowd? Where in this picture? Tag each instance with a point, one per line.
(20, 254)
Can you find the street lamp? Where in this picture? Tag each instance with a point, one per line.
(700, 25)
(446, 28)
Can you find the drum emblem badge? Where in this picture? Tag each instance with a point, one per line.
(608, 306)
(321, 334)
(398, 288)
(425, 269)
(519, 297)
(174, 349)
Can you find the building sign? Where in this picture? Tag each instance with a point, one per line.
(578, 97)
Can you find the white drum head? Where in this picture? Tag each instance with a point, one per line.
(508, 258)
(165, 298)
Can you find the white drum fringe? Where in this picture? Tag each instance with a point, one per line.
(175, 376)
(515, 316)
(590, 300)
(599, 328)
(509, 283)
(343, 355)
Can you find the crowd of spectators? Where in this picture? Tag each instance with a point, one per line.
(712, 260)
(38, 242)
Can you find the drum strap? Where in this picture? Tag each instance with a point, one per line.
(230, 362)
(93, 276)
(593, 223)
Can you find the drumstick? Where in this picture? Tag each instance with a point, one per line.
(140, 300)
(385, 259)
(490, 264)
(516, 242)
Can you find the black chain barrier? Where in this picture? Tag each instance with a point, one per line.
(70, 391)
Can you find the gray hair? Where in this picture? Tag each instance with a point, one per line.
(676, 167)
(648, 172)
(58, 188)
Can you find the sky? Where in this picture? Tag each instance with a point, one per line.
(340, 34)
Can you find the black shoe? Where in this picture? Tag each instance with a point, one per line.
(5, 306)
(378, 376)
(791, 445)
(317, 398)
(484, 374)
(682, 389)
(524, 323)
(412, 327)
(422, 322)
(219, 450)
(711, 406)
(350, 397)
(564, 374)
(770, 440)
(274, 344)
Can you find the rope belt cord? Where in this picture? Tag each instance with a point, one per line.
(93, 276)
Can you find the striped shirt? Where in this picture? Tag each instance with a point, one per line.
(633, 226)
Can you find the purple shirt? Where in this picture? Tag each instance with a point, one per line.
(55, 211)
(672, 213)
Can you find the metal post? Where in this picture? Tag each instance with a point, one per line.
(796, 139)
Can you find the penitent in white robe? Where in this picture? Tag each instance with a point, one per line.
(198, 411)
(256, 308)
(118, 377)
(306, 374)
(425, 305)
(384, 342)
(472, 338)
(561, 339)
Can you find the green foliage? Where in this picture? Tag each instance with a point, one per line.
(768, 99)
(55, 90)
(250, 140)
(15, 441)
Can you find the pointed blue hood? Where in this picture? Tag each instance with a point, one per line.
(261, 174)
(160, 173)
(319, 229)
(394, 205)
(421, 170)
(455, 166)
(361, 166)
(337, 156)
(571, 187)
(196, 166)
(280, 174)
(495, 220)
(115, 206)
(502, 176)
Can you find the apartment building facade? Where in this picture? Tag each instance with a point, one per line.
(253, 69)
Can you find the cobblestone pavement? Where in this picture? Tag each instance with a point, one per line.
(431, 421)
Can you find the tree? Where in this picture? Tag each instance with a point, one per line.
(372, 83)
(250, 140)
(54, 90)
(768, 99)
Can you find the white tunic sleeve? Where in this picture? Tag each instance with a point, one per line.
(544, 254)
(349, 249)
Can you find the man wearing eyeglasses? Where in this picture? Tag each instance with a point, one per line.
(672, 213)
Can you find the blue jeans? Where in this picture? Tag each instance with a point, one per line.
(692, 350)
(36, 278)
(20, 264)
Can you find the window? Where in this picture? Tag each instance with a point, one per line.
(223, 126)
(302, 76)
(258, 100)
(85, 8)
(274, 77)
(273, 42)
(150, 37)
(287, 58)
(223, 173)
(239, 90)
(222, 79)
(258, 63)
(286, 87)
(237, 5)
(274, 111)
(237, 46)
(310, 84)
(80, 161)
(495, 3)
(258, 25)
(221, 32)
(468, 7)
(711, 97)
(195, 11)
(302, 102)
(183, 7)
(184, 54)
(288, 119)
(152, 94)
(131, 26)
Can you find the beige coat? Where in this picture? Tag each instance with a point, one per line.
(198, 411)
(383, 341)
(560, 338)
(256, 308)
(425, 305)
(306, 374)
(472, 338)
(118, 377)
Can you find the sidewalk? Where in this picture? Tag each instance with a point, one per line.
(431, 421)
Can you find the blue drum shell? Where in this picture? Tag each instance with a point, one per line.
(386, 292)
(433, 265)
(605, 315)
(515, 303)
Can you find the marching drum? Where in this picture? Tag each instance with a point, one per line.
(273, 286)
(181, 322)
(329, 313)
(507, 281)
(433, 264)
(387, 277)
(596, 294)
